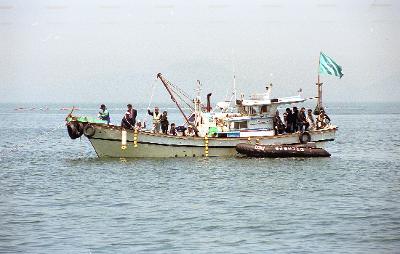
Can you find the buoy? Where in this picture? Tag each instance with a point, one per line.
(123, 139)
(135, 138)
(206, 146)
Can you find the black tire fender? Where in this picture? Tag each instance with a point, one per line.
(73, 130)
(80, 127)
(305, 137)
(89, 130)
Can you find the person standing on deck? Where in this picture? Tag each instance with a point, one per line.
(295, 121)
(302, 120)
(285, 121)
(310, 120)
(289, 123)
(156, 119)
(279, 127)
(104, 114)
(164, 122)
(129, 119)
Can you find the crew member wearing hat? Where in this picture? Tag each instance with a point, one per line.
(104, 114)
(129, 119)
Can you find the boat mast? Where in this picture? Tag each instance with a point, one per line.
(234, 78)
(166, 85)
(234, 87)
(234, 81)
(319, 89)
(197, 103)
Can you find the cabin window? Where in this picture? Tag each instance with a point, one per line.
(242, 110)
(251, 111)
(240, 125)
(264, 109)
(192, 118)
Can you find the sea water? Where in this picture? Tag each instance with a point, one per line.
(56, 196)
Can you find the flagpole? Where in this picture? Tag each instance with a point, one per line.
(326, 66)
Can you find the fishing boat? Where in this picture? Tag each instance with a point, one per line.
(218, 131)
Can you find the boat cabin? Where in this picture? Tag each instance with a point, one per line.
(248, 118)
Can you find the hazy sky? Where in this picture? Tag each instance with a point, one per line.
(111, 51)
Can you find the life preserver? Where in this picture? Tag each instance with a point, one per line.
(74, 130)
(89, 130)
(305, 137)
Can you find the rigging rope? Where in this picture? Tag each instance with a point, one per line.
(190, 105)
(177, 90)
(181, 94)
(152, 93)
(150, 101)
(180, 90)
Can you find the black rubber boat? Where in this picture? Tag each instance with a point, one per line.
(276, 151)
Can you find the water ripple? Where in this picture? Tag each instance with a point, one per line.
(56, 196)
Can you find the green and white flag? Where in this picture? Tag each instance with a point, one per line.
(328, 66)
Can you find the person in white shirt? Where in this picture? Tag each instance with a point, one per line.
(310, 120)
(156, 119)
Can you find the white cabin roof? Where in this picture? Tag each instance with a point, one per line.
(284, 100)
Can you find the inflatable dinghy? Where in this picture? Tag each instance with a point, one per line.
(276, 151)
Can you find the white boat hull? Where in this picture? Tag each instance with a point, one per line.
(107, 143)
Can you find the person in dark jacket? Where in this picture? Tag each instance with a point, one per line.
(289, 123)
(164, 122)
(279, 127)
(302, 120)
(129, 119)
(172, 130)
(295, 121)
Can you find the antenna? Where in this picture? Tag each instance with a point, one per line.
(234, 75)
(198, 89)
(234, 87)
